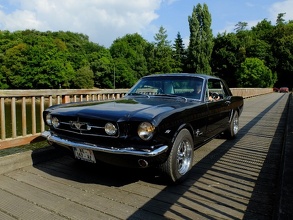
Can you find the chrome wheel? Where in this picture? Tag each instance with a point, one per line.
(180, 158)
(235, 123)
(184, 156)
(233, 129)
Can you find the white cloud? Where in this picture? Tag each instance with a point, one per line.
(103, 21)
(282, 7)
(169, 2)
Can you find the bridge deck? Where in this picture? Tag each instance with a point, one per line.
(230, 179)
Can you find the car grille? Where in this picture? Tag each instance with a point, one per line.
(85, 126)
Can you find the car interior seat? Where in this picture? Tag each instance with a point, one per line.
(168, 88)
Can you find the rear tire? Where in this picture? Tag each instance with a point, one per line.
(233, 127)
(180, 159)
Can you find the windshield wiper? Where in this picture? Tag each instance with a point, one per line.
(137, 94)
(172, 95)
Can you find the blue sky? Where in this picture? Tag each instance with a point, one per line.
(106, 20)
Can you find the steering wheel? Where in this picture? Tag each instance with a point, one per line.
(160, 91)
(215, 95)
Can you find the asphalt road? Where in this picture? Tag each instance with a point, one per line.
(230, 179)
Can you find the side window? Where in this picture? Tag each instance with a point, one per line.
(216, 90)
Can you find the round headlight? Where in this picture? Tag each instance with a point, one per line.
(49, 119)
(110, 129)
(55, 122)
(145, 130)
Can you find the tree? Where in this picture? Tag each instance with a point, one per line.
(263, 30)
(225, 59)
(179, 53)
(262, 50)
(280, 19)
(201, 40)
(15, 67)
(254, 74)
(282, 49)
(41, 60)
(84, 78)
(3, 82)
(240, 26)
(130, 49)
(163, 61)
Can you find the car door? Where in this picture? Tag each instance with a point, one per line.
(218, 106)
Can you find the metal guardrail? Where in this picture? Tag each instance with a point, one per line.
(37, 100)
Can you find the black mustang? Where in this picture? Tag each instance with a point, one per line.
(158, 123)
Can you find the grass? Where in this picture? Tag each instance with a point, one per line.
(23, 148)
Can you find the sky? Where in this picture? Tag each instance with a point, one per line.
(103, 21)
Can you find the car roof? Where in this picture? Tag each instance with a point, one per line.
(205, 76)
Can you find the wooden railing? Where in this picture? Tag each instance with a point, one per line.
(38, 100)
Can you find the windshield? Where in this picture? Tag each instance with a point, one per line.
(189, 87)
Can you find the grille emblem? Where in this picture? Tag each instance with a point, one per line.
(80, 125)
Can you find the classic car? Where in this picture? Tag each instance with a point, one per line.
(284, 89)
(158, 123)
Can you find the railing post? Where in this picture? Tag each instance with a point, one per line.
(13, 117)
(23, 116)
(34, 124)
(65, 99)
(3, 127)
(42, 108)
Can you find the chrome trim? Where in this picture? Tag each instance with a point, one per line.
(127, 151)
(67, 123)
(90, 134)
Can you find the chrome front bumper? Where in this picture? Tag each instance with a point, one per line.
(126, 151)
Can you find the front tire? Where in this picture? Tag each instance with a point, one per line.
(180, 159)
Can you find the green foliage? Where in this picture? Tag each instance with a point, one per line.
(128, 52)
(101, 63)
(254, 74)
(260, 57)
(225, 60)
(263, 30)
(240, 26)
(39, 60)
(270, 44)
(84, 78)
(162, 55)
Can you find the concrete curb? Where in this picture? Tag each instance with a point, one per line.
(16, 161)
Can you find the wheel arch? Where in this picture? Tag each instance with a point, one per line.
(238, 110)
(182, 126)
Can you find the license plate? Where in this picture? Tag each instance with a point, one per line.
(84, 154)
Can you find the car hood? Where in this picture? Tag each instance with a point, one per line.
(123, 109)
